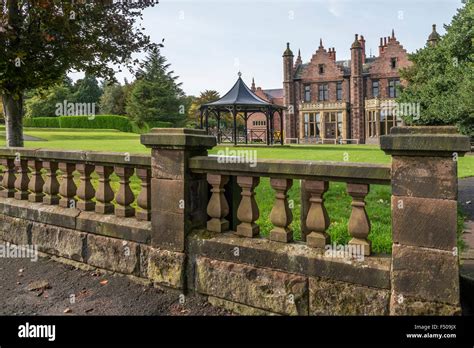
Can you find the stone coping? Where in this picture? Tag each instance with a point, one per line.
(373, 271)
(425, 141)
(93, 157)
(106, 225)
(295, 169)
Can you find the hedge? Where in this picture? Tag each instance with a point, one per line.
(159, 124)
(42, 122)
(120, 123)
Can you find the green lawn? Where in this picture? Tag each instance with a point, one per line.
(337, 200)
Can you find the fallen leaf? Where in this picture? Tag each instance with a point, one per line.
(67, 310)
(104, 282)
(38, 285)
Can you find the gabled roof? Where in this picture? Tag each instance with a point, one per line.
(274, 93)
(240, 95)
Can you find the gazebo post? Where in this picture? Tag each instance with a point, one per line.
(246, 132)
(268, 126)
(234, 113)
(219, 127)
(201, 110)
(272, 127)
(281, 126)
(207, 121)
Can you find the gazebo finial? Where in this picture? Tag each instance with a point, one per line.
(239, 73)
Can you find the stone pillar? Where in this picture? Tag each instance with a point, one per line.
(425, 267)
(178, 197)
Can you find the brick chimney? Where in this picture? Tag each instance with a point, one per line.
(381, 46)
(332, 53)
(362, 43)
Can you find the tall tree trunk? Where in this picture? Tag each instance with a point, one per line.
(13, 109)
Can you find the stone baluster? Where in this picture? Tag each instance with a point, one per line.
(144, 197)
(36, 181)
(359, 223)
(281, 215)
(22, 180)
(8, 181)
(248, 212)
(51, 185)
(125, 195)
(218, 208)
(104, 194)
(85, 191)
(68, 188)
(317, 219)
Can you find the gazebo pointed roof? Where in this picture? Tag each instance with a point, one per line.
(240, 95)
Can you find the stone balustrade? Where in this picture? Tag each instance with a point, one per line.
(48, 177)
(315, 178)
(193, 225)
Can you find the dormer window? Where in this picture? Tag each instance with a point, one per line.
(393, 63)
(321, 68)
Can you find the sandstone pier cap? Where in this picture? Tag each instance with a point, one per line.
(425, 141)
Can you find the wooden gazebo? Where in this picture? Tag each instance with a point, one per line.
(241, 101)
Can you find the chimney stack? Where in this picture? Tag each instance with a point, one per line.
(362, 43)
(381, 46)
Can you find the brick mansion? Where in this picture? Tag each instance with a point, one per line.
(338, 101)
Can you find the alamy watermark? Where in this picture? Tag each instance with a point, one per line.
(391, 107)
(8, 250)
(340, 251)
(67, 108)
(237, 156)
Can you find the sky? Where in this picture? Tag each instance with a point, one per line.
(208, 41)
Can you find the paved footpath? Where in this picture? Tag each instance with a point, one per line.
(48, 287)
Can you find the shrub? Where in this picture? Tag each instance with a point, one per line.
(159, 124)
(42, 122)
(120, 123)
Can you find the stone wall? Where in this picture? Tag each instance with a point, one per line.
(120, 246)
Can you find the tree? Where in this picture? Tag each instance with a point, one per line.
(112, 100)
(441, 78)
(43, 102)
(155, 95)
(207, 96)
(40, 40)
(87, 90)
